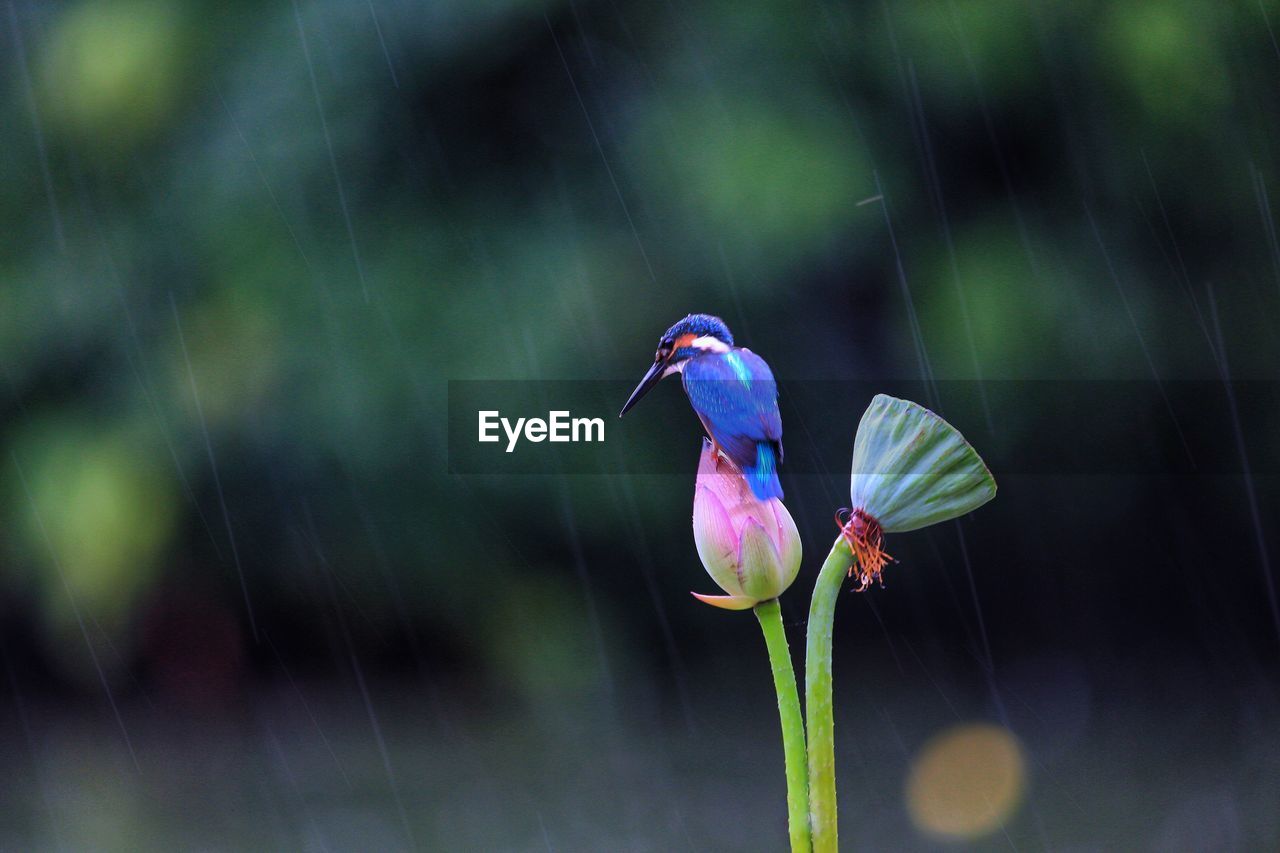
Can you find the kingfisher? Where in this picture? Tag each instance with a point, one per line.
(732, 391)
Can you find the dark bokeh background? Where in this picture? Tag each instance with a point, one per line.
(244, 247)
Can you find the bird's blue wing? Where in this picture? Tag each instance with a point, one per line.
(735, 395)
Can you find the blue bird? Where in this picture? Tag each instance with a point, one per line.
(732, 391)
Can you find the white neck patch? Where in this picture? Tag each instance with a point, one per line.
(709, 343)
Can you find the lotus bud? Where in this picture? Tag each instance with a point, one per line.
(910, 469)
(750, 547)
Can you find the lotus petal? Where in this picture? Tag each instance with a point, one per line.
(727, 602)
(759, 565)
(790, 550)
(715, 539)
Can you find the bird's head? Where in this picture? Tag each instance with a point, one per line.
(696, 333)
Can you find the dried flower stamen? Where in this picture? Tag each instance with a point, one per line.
(866, 540)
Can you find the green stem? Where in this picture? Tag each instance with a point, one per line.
(784, 681)
(817, 700)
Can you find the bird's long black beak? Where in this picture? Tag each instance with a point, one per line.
(653, 377)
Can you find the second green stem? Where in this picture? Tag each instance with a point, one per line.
(817, 700)
(784, 681)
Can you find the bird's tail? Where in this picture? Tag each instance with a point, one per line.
(763, 476)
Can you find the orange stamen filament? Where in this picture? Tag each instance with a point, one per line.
(866, 540)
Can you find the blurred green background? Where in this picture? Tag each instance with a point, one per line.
(244, 246)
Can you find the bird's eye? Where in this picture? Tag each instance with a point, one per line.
(662, 353)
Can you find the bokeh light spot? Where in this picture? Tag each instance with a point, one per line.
(1169, 58)
(768, 178)
(966, 782)
(111, 70)
(94, 512)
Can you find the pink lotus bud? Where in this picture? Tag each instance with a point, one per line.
(750, 547)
